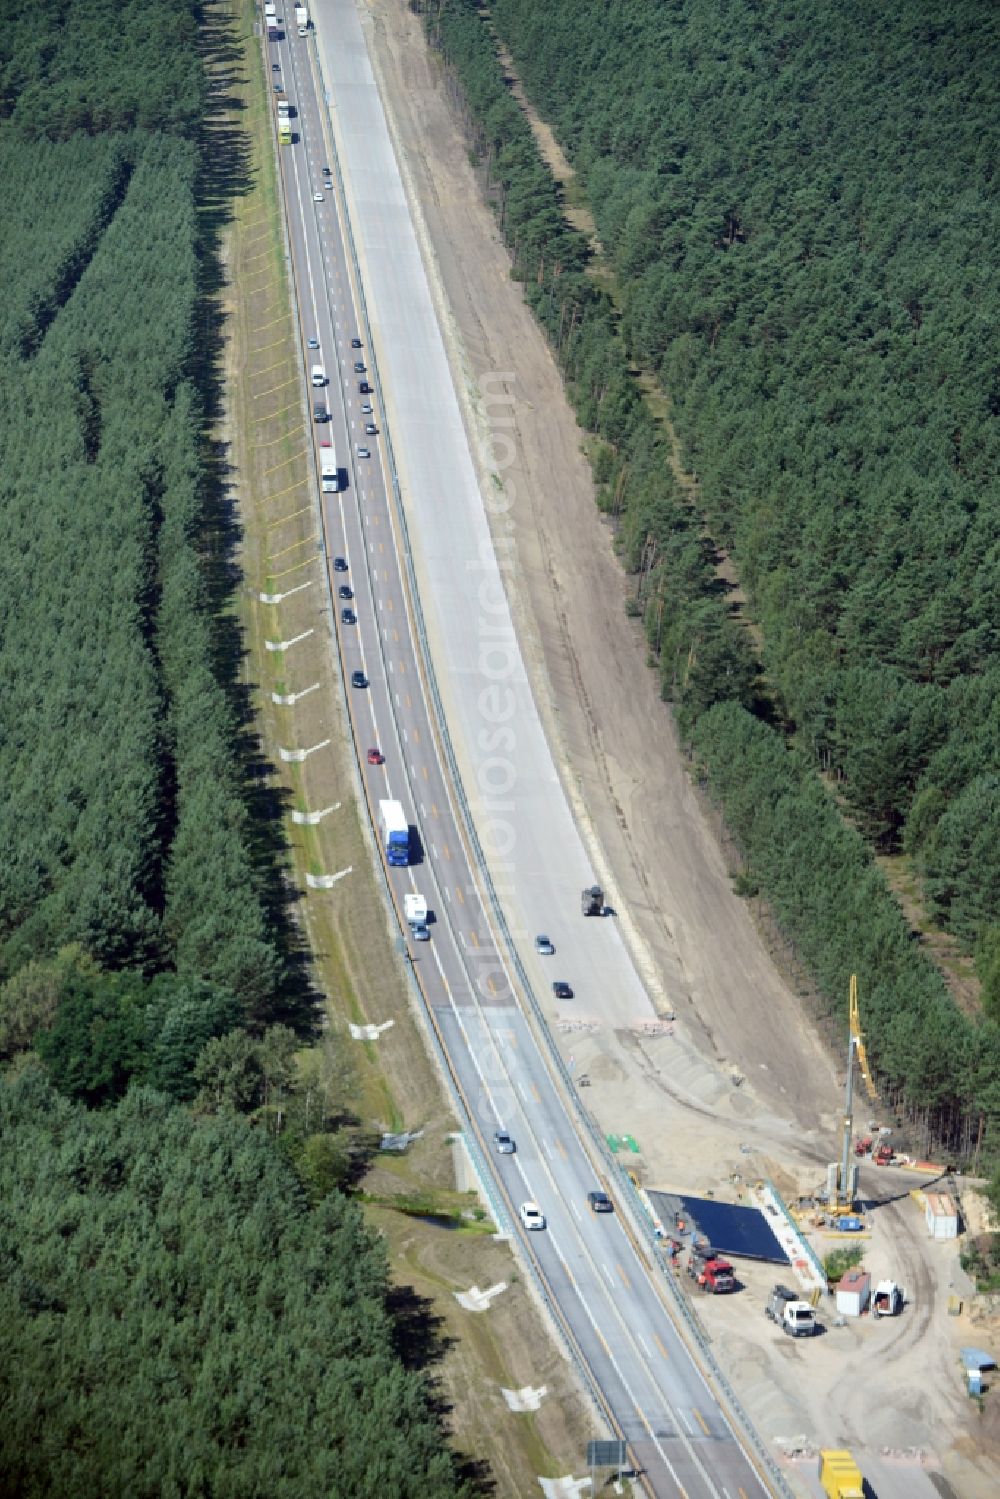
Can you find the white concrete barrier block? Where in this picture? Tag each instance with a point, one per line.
(526, 1399)
(327, 881)
(564, 1488)
(276, 598)
(296, 756)
(369, 1032)
(475, 1300)
(289, 699)
(310, 819)
(286, 645)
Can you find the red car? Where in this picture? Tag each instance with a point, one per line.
(376, 757)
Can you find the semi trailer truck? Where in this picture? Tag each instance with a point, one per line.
(395, 832)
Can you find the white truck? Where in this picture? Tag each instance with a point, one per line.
(415, 911)
(329, 473)
(302, 19)
(793, 1316)
(887, 1300)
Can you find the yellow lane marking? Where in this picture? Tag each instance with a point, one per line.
(295, 567)
(283, 386)
(306, 509)
(459, 896)
(395, 634)
(272, 416)
(491, 986)
(535, 1093)
(292, 458)
(388, 605)
(408, 703)
(258, 446)
(626, 1282)
(474, 938)
(254, 374)
(423, 770)
(446, 852)
(294, 545)
(656, 1340)
(381, 546)
(700, 1420)
(558, 1143)
(416, 740)
(288, 489)
(401, 666)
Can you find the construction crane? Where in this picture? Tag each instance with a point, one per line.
(855, 1047)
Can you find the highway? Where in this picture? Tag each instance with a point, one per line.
(652, 1392)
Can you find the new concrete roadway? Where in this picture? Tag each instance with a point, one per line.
(603, 1291)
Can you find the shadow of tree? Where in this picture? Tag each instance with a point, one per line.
(226, 174)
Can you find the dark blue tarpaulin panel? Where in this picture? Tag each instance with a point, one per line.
(743, 1232)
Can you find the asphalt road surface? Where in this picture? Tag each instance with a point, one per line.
(653, 1393)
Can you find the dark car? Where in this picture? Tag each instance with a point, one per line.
(340, 564)
(359, 366)
(348, 617)
(320, 414)
(345, 591)
(355, 343)
(364, 388)
(276, 67)
(600, 1202)
(371, 429)
(562, 990)
(358, 679)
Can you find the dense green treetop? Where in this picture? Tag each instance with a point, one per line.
(799, 201)
(175, 1320)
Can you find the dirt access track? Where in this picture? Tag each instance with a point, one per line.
(739, 1084)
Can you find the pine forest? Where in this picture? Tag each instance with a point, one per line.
(190, 1306)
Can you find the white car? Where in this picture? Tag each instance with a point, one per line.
(545, 946)
(318, 197)
(531, 1215)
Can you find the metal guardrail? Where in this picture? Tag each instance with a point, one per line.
(637, 1210)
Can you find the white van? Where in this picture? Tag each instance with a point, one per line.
(318, 375)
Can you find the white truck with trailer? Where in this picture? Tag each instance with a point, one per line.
(329, 473)
(395, 832)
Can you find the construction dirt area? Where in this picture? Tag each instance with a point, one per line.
(735, 1085)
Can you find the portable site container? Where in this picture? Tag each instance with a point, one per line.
(853, 1292)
